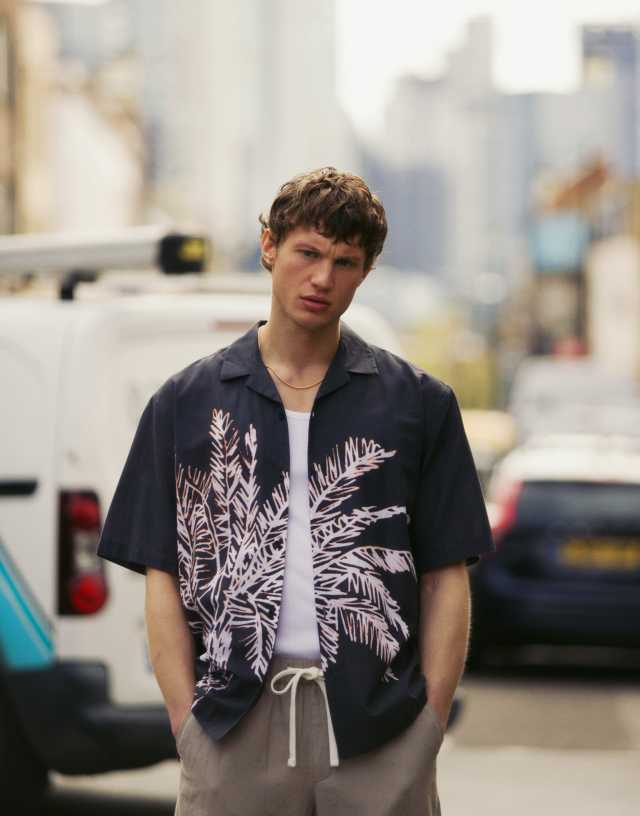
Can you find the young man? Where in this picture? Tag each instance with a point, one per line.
(304, 506)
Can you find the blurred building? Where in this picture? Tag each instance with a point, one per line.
(408, 170)
(301, 124)
(417, 207)
(464, 167)
(237, 98)
(78, 156)
(611, 61)
(36, 68)
(450, 169)
(92, 35)
(8, 116)
(571, 129)
(612, 276)
(597, 120)
(147, 110)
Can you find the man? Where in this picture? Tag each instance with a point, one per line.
(304, 506)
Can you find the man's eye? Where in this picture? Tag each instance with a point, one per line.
(346, 262)
(309, 253)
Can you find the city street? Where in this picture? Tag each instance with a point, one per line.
(303, 307)
(559, 741)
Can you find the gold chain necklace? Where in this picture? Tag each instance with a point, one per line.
(282, 380)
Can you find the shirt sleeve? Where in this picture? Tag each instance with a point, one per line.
(450, 522)
(140, 528)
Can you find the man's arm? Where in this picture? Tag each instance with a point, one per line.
(445, 608)
(170, 644)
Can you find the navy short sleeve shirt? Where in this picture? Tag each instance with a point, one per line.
(393, 493)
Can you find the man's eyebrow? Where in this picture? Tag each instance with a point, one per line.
(354, 252)
(308, 243)
(350, 249)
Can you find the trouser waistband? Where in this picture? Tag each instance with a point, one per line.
(281, 661)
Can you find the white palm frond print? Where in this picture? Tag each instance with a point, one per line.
(232, 546)
(231, 552)
(351, 596)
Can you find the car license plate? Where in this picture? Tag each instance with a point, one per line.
(601, 553)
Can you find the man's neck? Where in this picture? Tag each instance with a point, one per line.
(296, 351)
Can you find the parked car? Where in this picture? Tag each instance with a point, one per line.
(77, 692)
(565, 512)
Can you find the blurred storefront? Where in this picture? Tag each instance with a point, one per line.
(585, 249)
(559, 244)
(560, 238)
(613, 305)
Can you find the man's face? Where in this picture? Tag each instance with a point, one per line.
(314, 277)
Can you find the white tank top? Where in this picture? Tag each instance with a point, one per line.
(297, 633)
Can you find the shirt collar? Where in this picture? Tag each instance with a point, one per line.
(242, 359)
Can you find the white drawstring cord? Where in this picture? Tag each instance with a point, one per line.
(309, 673)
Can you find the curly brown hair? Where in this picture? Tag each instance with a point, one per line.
(338, 205)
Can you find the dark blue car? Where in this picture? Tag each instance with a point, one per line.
(565, 512)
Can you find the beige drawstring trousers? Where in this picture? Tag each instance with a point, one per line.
(281, 759)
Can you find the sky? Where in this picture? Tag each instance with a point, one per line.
(536, 45)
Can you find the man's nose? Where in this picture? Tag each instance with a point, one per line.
(323, 272)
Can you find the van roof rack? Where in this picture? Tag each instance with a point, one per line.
(81, 258)
(118, 283)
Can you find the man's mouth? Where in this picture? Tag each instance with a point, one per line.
(314, 304)
(314, 299)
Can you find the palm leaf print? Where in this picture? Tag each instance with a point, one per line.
(232, 545)
(231, 551)
(351, 596)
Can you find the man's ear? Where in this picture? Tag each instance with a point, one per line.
(268, 247)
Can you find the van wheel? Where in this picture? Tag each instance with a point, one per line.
(23, 778)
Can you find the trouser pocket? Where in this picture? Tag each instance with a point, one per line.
(180, 735)
(435, 719)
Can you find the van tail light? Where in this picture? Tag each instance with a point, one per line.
(507, 510)
(82, 588)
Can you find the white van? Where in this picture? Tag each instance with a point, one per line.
(76, 686)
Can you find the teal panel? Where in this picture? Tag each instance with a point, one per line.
(26, 640)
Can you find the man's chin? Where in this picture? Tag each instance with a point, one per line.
(317, 322)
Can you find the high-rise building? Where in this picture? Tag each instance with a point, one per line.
(234, 98)
(237, 98)
(611, 63)
(475, 157)
(439, 133)
(301, 124)
(409, 171)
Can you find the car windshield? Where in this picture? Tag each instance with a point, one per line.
(578, 505)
